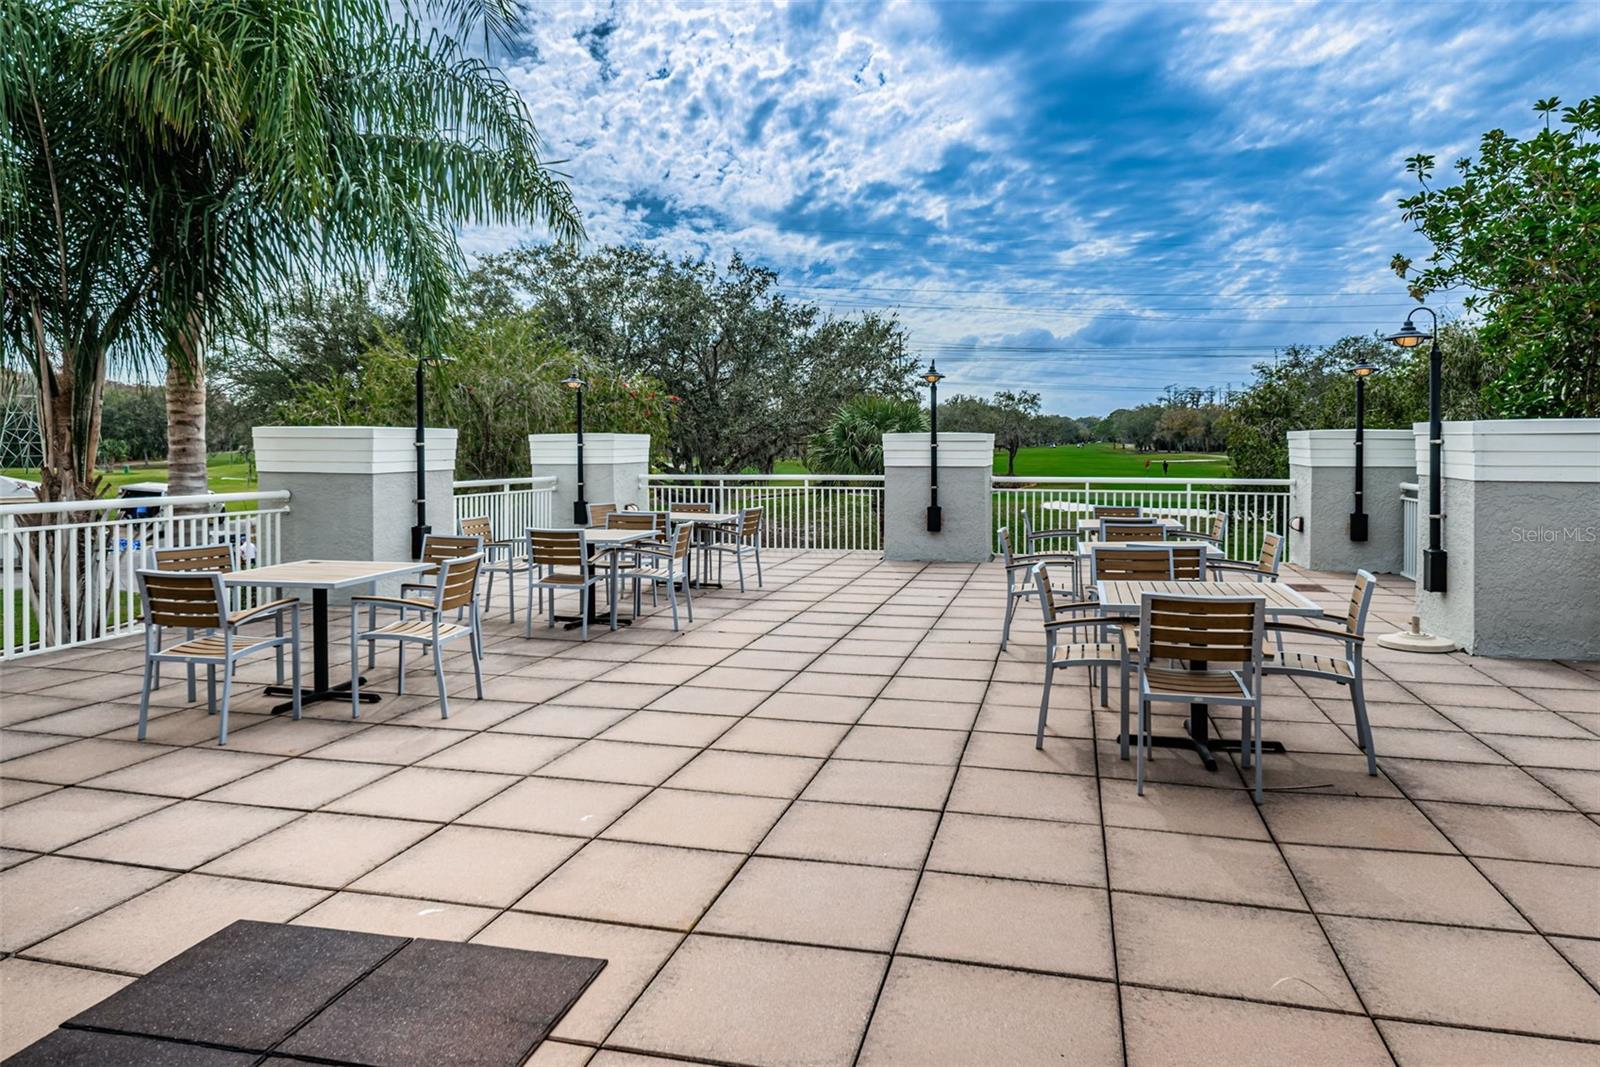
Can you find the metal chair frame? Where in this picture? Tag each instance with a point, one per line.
(1267, 564)
(669, 570)
(549, 550)
(455, 589)
(1019, 586)
(739, 539)
(499, 557)
(1091, 654)
(221, 557)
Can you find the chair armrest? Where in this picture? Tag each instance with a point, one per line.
(1062, 531)
(1094, 620)
(261, 611)
(1313, 631)
(1233, 565)
(393, 601)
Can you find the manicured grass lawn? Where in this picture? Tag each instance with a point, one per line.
(1107, 461)
(225, 473)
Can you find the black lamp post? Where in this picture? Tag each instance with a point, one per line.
(422, 529)
(580, 506)
(1358, 517)
(1434, 561)
(935, 514)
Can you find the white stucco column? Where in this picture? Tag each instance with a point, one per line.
(1322, 467)
(1521, 536)
(966, 497)
(613, 468)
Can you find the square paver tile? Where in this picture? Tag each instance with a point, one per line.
(427, 793)
(62, 816)
(899, 785)
(556, 806)
(78, 761)
(670, 728)
(782, 737)
(470, 865)
(1481, 978)
(698, 820)
(51, 893)
(1226, 869)
(1030, 925)
(1029, 849)
(893, 744)
(755, 1002)
(850, 833)
(1159, 1034)
(1519, 833)
(932, 1012)
(1183, 809)
(398, 916)
(399, 745)
(182, 836)
(619, 761)
(643, 885)
(705, 700)
(480, 1001)
(39, 996)
(1355, 822)
(553, 720)
(185, 772)
(812, 707)
(633, 955)
(750, 773)
(1400, 885)
(1228, 950)
(501, 753)
(302, 784)
(1417, 1045)
(1061, 797)
(322, 849)
(814, 903)
(1556, 899)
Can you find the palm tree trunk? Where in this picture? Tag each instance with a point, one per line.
(186, 418)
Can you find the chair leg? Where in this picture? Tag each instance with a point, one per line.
(355, 669)
(1125, 734)
(227, 696)
(688, 598)
(1138, 751)
(277, 631)
(1011, 609)
(1358, 697)
(211, 689)
(400, 662)
(294, 660)
(1245, 751)
(477, 671)
(1256, 714)
(511, 592)
(488, 593)
(150, 667)
(372, 646)
(1044, 703)
(759, 581)
(188, 635)
(438, 674)
(583, 613)
(738, 557)
(672, 598)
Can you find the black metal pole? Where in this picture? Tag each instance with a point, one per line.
(1434, 560)
(421, 529)
(580, 506)
(935, 514)
(1358, 518)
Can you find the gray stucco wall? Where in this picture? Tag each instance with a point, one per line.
(604, 483)
(1323, 497)
(967, 499)
(1524, 569)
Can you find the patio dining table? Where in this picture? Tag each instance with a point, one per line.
(1212, 550)
(1093, 525)
(322, 576)
(1281, 599)
(704, 522)
(608, 542)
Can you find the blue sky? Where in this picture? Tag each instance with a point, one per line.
(1090, 200)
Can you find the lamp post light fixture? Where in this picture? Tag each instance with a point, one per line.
(580, 506)
(935, 514)
(422, 529)
(1358, 517)
(1434, 560)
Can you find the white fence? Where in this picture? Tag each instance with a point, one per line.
(510, 504)
(1254, 506)
(840, 512)
(68, 570)
(1408, 530)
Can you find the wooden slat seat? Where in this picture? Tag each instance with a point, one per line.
(1311, 664)
(422, 621)
(1165, 680)
(211, 647)
(421, 629)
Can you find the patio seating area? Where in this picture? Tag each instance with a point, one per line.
(811, 825)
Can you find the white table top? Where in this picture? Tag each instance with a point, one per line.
(602, 537)
(1282, 599)
(713, 517)
(1073, 507)
(1212, 551)
(325, 573)
(1093, 525)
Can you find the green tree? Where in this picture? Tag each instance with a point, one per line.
(1014, 413)
(852, 440)
(1521, 230)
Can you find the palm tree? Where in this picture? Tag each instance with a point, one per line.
(852, 442)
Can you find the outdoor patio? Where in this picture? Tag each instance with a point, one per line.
(813, 828)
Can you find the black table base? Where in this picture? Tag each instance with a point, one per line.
(340, 691)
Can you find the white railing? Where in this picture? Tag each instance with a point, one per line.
(832, 512)
(1254, 506)
(1408, 530)
(68, 571)
(510, 504)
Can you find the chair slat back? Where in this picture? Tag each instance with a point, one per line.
(1047, 593)
(436, 548)
(750, 522)
(1115, 511)
(1219, 526)
(1360, 600)
(1131, 563)
(682, 537)
(693, 507)
(557, 548)
(1271, 553)
(640, 520)
(1216, 630)
(458, 581)
(187, 599)
(195, 559)
(1188, 563)
(1004, 534)
(1129, 531)
(598, 513)
(480, 527)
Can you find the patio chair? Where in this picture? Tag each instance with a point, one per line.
(1341, 669)
(598, 513)
(1030, 535)
(665, 566)
(422, 622)
(436, 548)
(1019, 583)
(206, 559)
(1201, 630)
(693, 507)
(1264, 569)
(1127, 563)
(1116, 511)
(1126, 530)
(499, 557)
(1217, 534)
(739, 539)
(1188, 563)
(1080, 651)
(549, 550)
(199, 601)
